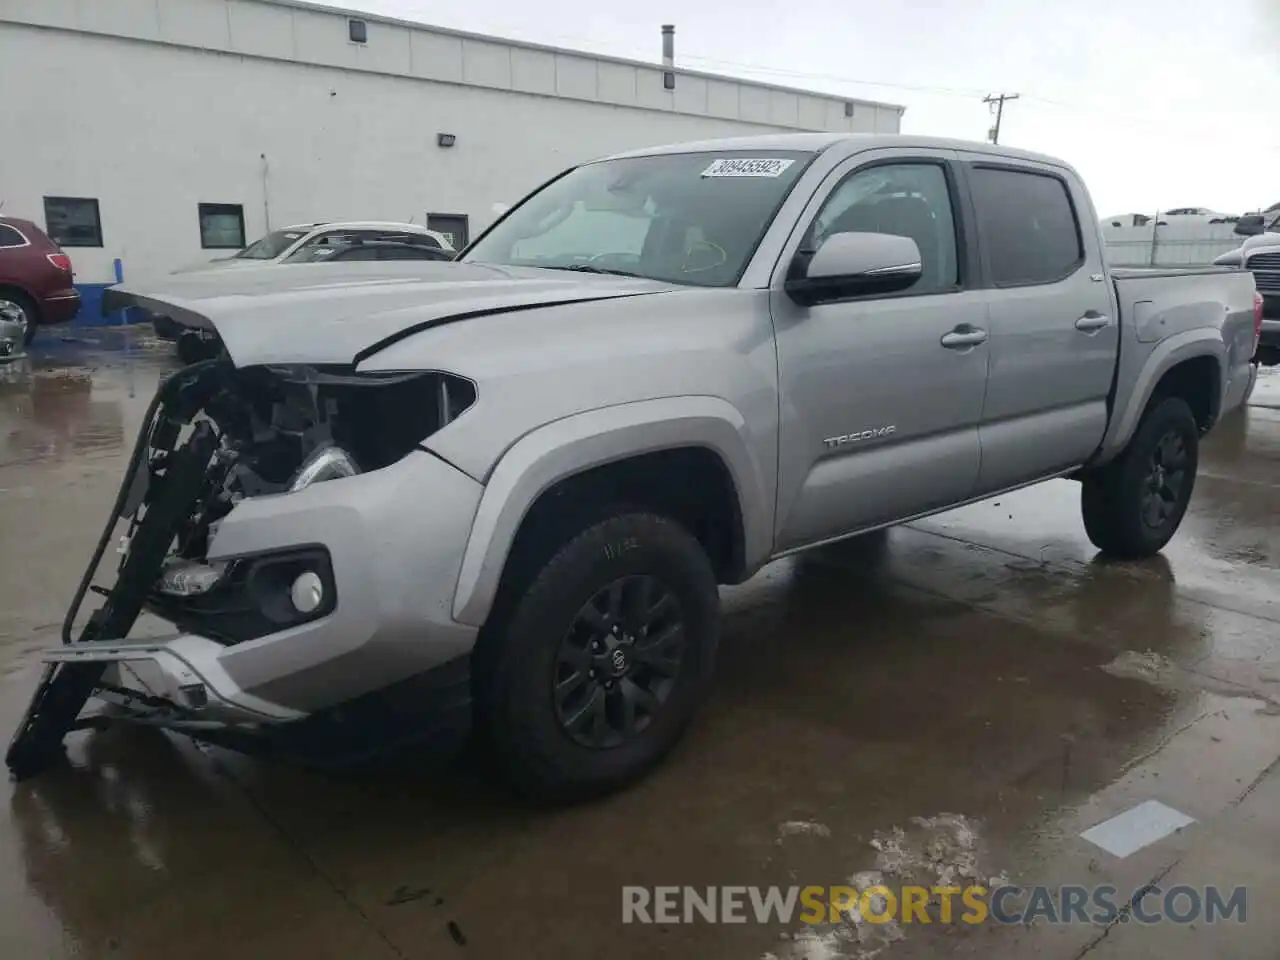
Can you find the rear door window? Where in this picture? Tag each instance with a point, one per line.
(1027, 224)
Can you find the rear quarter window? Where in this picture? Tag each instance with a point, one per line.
(10, 237)
(1027, 224)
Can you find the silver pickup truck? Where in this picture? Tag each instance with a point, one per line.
(403, 503)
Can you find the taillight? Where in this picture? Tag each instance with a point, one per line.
(1257, 319)
(60, 260)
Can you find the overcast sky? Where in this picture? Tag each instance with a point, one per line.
(1159, 103)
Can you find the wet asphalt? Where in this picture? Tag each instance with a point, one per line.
(955, 701)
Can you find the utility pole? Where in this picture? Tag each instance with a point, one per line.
(998, 102)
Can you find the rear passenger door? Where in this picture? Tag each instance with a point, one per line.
(1054, 335)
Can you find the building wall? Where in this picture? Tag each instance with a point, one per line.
(156, 106)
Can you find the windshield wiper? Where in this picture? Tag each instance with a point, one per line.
(592, 268)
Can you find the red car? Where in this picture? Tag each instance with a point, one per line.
(35, 277)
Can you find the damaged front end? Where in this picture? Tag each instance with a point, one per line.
(214, 436)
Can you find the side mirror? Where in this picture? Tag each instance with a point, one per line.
(1250, 225)
(854, 264)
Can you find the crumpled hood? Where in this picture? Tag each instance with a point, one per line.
(344, 312)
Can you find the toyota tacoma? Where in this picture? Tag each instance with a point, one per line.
(493, 498)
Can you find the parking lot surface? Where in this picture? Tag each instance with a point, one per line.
(955, 702)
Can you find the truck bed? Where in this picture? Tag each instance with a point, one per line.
(1161, 306)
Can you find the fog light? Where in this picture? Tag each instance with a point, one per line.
(307, 592)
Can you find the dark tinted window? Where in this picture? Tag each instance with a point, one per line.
(1027, 225)
(906, 200)
(10, 237)
(414, 239)
(411, 251)
(221, 226)
(270, 246)
(73, 221)
(359, 252)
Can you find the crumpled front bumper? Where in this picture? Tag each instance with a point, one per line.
(395, 539)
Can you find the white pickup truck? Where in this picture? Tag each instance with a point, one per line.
(1260, 255)
(403, 498)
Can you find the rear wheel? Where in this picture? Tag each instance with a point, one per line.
(1133, 506)
(596, 670)
(18, 306)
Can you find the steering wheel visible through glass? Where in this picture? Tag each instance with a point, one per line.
(703, 255)
(615, 261)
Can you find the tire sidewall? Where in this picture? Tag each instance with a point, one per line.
(523, 719)
(1171, 413)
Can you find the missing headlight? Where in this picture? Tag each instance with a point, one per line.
(324, 463)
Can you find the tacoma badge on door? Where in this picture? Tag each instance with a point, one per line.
(876, 433)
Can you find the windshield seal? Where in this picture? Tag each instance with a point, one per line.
(800, 162)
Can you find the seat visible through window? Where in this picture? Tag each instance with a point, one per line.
(907, 200)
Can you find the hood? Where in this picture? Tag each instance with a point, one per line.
(340, 313)
(217, 263)
(1270, 241)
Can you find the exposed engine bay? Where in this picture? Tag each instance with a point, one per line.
(213, 436)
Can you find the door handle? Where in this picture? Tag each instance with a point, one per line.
(1092, 321)
(964, 336)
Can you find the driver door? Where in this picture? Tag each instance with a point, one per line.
(879, 405)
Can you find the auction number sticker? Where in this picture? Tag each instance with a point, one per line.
(747, 167)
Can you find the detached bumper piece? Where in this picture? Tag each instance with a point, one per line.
(162, 485)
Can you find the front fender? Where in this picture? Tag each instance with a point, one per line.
(569, 446)
(1143, 374)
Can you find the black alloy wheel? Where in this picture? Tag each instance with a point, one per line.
(1166, 476)
(619, 662)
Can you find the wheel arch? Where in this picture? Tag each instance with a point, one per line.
(611, 438)
(1192, 366)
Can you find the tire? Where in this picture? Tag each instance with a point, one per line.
(544, 639)
(29, 313)
(1121, 516)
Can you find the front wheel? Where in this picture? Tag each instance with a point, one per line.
(1133, 506)
(599, 666)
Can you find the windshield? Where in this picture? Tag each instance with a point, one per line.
(270, 246)
(692, 218)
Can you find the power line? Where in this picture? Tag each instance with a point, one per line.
(998, 101)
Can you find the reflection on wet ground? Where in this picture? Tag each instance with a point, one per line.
(954, 701)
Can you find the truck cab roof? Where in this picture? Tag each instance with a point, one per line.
(848, 142)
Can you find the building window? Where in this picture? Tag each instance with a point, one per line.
(358, 31)
(73, 221)
(221, 226)
(454, 226)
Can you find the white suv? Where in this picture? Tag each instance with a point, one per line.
(280, 245)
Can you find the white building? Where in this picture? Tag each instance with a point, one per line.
(121, 118)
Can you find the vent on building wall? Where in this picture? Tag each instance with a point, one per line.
(668, 56)
(358, 31)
